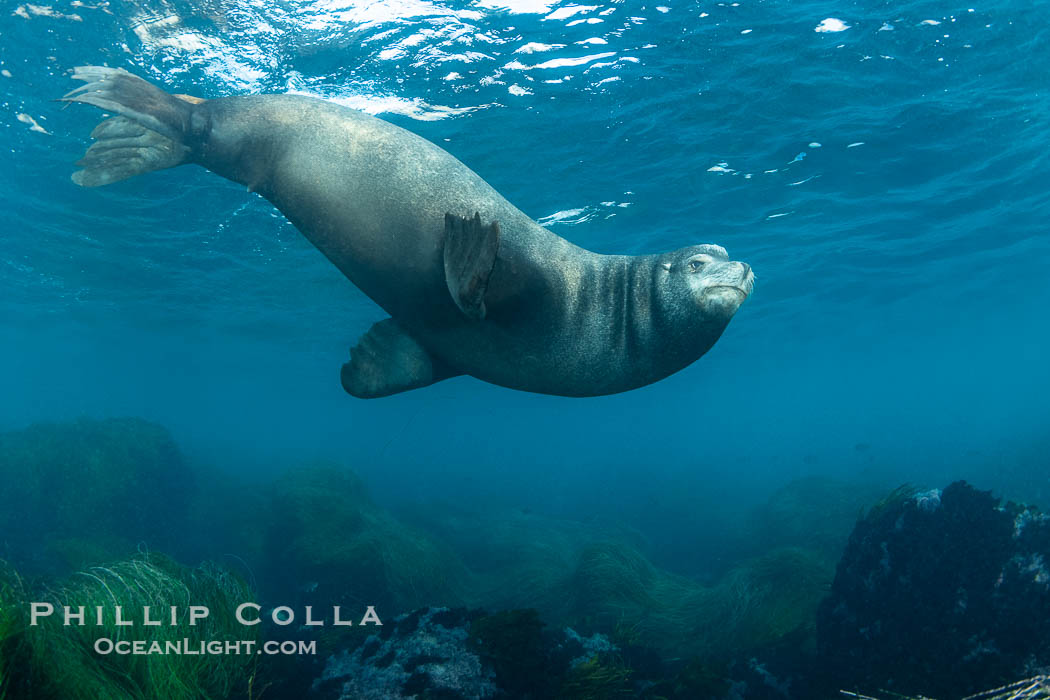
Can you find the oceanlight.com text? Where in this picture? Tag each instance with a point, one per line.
(186, 647)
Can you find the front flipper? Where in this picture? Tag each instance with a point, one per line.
(470, 253)
(386, 361)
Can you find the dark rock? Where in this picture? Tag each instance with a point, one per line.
(941, 594)
(443, 654)
(421, 658)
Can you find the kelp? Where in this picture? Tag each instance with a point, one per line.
(332, 541)
(597, 578)
(10, 622)
(816, 513)
(601, 677)
(63, 662)
(613, 588)
(75, 493)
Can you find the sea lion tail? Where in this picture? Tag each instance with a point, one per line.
(150, 133)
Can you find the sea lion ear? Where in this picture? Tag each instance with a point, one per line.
(470, 254)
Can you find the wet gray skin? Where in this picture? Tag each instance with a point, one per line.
(373, 198)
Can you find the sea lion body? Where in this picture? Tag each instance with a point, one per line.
(373, 198)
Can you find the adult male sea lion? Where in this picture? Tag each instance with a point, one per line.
(472, 285)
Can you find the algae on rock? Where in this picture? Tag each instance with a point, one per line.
(330, 539)
(73, 489)
(63, 663)
(10, 622)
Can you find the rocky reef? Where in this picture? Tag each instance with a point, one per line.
(941, 593)
(75, 494)
(600, 579)
(422, 652)
(327, 542)
(461, 654)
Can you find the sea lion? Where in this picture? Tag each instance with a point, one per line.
(472, 285)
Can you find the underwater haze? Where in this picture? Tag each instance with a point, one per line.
(881, 166)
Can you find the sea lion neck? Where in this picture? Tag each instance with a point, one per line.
(618, 295)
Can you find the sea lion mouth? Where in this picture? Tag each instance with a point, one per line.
(733, 287)
(743, 289)
(729, 297)
(744, 286)
(722, 299)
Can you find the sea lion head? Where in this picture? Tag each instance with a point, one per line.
(701, 286)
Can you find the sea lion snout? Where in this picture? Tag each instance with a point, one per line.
(729, 273)
(719, 286)
(707, 269)
(728, 282)
(733, 276)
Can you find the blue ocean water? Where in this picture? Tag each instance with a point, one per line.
(882, 166)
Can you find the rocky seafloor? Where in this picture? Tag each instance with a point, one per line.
(835, 587)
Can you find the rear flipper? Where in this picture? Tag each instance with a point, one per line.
(125, 148)
(388, 361)
(470, 254)
(151, 134)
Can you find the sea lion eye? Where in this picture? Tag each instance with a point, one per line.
(695, 265)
